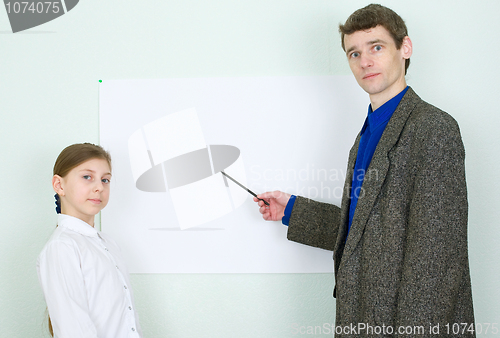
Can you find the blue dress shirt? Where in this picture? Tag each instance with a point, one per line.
(372, 130)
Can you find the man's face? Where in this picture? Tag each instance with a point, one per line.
(377, 64)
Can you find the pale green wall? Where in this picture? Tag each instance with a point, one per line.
(49, 99)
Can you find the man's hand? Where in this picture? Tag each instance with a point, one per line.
(277, 203)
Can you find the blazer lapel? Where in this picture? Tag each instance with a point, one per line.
(376, 173)
(344, 207)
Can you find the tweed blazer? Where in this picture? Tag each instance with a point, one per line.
(405, 262)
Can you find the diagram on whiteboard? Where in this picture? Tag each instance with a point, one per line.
(188, 154)
(170, 155)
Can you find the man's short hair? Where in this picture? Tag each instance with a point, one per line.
(372, 16)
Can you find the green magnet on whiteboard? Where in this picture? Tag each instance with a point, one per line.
(100, 81)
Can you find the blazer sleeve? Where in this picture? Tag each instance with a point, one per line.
(435, 283)
(314, 223)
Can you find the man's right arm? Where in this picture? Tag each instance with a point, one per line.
(311, 223)
(314, 223)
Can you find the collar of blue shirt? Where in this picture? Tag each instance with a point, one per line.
(381, 115)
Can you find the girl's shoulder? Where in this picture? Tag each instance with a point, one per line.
(60, 238)
(64, 241)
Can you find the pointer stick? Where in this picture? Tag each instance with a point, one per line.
(238, 183)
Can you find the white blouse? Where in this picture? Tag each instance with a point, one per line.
(85, 283)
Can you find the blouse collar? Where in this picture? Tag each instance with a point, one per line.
(76, 225)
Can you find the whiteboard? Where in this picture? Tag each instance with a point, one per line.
(172, 211)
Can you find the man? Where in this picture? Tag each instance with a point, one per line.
(399, 238)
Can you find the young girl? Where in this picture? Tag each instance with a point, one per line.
(83, 276)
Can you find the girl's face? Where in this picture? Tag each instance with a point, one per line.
(84, 191)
